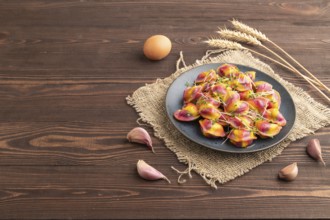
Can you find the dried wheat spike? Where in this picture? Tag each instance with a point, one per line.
(239, 37)
(225, 44)
(249, 30)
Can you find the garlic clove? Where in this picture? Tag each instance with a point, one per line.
(289, 172)
(141, 136)
(148, 172)
(314, 150)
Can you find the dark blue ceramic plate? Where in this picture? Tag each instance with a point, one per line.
(174, 101)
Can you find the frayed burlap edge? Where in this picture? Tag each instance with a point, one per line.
(213, 166)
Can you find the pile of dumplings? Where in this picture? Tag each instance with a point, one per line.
(230, 103)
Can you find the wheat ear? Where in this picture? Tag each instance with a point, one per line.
(262, 37)
(239, 37)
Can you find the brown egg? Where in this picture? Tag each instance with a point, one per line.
(157, 47)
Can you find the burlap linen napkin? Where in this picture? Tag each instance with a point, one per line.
(214, 166)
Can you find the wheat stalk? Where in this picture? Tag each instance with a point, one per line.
(225, 44)
(239, 37)
(249, 30)
(262, 37)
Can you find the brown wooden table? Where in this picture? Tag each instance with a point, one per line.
(65, 70)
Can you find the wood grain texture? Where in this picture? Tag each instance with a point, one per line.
(66, 68)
